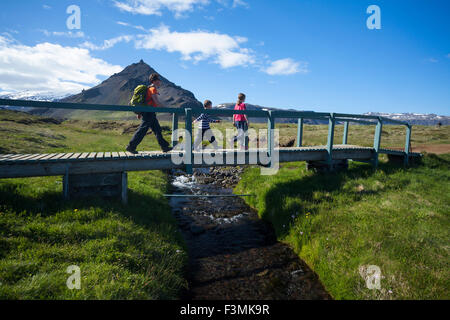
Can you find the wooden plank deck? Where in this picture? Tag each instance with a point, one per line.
(66, 156)
(28, 165)
(83, 155)
(149, 154)
(75, 156)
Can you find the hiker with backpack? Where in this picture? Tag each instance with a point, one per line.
(147, 96)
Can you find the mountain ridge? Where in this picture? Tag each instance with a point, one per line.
(118, 90)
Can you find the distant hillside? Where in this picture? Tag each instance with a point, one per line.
(230, 106)
(118, 89)
(415, 118)
(412, 118)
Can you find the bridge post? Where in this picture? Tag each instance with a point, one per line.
(345, 136)
(124, 188)
(300, 132)
(270, 135)
(331, 124)
(188, 141)
(109, 185)
(174, 128)
(377, 141)
(66, 184)
(407, 143)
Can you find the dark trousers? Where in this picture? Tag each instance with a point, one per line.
(149, 121)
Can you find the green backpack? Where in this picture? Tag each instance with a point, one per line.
(139, 95)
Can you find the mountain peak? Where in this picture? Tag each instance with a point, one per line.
(118, 89)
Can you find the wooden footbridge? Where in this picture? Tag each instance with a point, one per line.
(106, 172)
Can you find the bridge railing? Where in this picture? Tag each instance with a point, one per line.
(270, 115)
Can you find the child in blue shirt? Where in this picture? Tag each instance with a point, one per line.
(203, 126)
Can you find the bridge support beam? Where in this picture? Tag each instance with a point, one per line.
(270, 134)
(174, 129)
(321, 166)
(188, 141)
(66, 184)
(107, 185)
(300, 132)
(407, 144)
(331, 124)
(377, 141)
(345, 135)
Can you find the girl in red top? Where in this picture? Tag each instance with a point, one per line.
(241, 122)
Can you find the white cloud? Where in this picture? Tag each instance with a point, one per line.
(179, 7)
(12, 31)
(107, 44)
(433, 60)
(125, 24)
(233, 3)
(448, 55)
(237, 3)
(154, 7)
(286, 67)
(48, 67)
(47, 7)
(198, 46)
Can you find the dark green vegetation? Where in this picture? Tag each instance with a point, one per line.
(124, 252)
(395, 218)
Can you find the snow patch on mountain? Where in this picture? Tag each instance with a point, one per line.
(414, 118)
(30, 95)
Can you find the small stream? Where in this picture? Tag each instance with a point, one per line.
(234, 254)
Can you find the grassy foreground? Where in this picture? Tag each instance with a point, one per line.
(394, 218)
(124, 252)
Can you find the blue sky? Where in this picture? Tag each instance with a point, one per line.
(309, 55)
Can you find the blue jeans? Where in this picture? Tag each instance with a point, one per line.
(149, 121)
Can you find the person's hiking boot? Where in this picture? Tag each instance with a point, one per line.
(133, 151)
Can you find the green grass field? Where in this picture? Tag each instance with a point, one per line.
(124, 252)
(394, 218)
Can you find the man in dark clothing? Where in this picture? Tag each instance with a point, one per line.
(149, 120)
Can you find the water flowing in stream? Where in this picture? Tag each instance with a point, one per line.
(234, 254)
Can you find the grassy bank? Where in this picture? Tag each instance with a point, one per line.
(124, 252)
(394, 218)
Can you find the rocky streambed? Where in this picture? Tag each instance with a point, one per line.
(234, 254)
